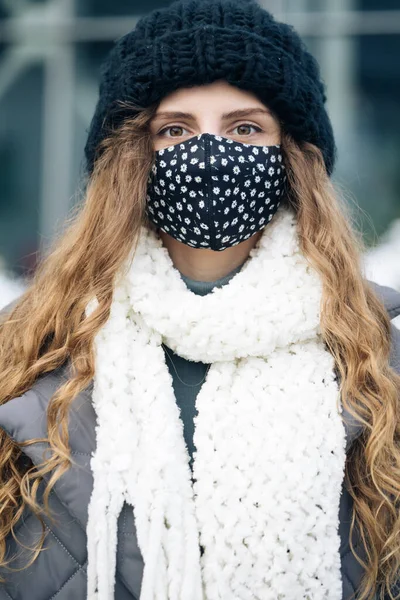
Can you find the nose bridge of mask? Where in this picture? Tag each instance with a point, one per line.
(209, 143)
(200, 151)
(218, 154)
(206, 141)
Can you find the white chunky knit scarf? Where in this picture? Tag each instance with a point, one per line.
(270, 440)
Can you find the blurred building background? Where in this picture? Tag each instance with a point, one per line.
(50, 54)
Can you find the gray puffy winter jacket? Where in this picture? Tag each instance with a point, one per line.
(59, 572)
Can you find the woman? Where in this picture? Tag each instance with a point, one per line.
(199, 395)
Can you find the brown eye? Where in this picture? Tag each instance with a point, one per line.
(176, 131)
(172, 131)
(244, 129)
(247, 129)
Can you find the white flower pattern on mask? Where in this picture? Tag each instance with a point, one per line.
(215, 170)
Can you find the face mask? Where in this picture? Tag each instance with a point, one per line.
(213, 192)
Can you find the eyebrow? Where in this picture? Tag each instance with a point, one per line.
(234, 114)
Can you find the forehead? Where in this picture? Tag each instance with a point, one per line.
(213, 96)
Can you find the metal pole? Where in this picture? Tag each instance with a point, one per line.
(337, 56)
(58, 140)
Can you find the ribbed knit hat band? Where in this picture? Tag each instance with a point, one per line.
(194, 42)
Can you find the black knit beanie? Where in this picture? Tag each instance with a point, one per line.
(194, 42)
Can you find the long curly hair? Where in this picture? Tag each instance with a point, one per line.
(48, 327)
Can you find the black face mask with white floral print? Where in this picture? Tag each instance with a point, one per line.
(214, 192)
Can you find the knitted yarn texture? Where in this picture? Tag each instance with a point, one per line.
(195, 42)
(270, 440)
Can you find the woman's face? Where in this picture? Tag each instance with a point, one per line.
(217, 108)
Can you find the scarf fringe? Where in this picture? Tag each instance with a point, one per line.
(102, 543)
